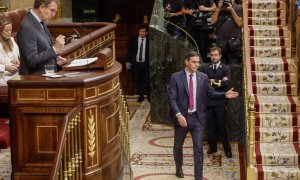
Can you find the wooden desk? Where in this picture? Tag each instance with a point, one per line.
(37, 108)
(3, 94)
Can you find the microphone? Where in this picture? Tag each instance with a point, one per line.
(84, 51)
(71, 38)
(86, 32)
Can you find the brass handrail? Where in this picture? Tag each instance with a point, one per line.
(61, 153)
(290, 19)
(298, 35)
(249, 99)
(186, 33)
(124, 118)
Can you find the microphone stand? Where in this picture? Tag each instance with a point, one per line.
(84, 51)
(87, 32)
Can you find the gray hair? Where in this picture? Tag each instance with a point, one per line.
(39, 3)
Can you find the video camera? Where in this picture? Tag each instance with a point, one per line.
(203, 20)
(200, 14)
(226, 4)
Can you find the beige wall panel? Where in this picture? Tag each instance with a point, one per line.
(65, 9)
(18, 4)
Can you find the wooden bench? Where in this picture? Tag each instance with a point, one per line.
(16, 17)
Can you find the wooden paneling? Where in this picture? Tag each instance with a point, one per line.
(143, 11)
(128, 15)
(85, 11)
(35, 133)
(124, 33)
(61, 94)
(51, 132)
(36, 122)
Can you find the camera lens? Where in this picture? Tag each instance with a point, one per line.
(226, 3)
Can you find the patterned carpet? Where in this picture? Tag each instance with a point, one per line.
(152, 154)
(275, 83)
(5, 164)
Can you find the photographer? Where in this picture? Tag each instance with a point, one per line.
(198, 14)
(228, 19)
(173, 14)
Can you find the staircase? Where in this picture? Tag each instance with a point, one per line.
(274, 82)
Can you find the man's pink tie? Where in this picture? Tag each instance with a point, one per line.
(191, 91)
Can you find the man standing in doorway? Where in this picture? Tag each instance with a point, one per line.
(188, 90)
(219, 77)
(138, 61)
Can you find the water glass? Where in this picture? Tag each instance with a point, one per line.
(49, 68)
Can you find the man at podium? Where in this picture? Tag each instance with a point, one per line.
(37, 48)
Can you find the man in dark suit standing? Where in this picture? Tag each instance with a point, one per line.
(188, 90)
(138, 61)
(219, 77)
(34, 39)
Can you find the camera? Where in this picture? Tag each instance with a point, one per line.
(196, 13)
(200, 14)
(203, 20)
(226, 4)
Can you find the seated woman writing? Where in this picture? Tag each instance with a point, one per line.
(9, 52)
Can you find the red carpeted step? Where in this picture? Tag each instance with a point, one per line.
(275, 104)
(277, 154)
(4, 134)
(277, 120)
(274, 89)
(277, 172)
(273, 77)
(276, 134)
(271, 31)
(264, 21)
(268, 52)
(283, 61)
(267, 41)
(265, 13)
(263, 4)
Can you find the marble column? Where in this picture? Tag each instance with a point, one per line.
(166, 57)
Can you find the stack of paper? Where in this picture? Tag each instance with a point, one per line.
(82, 62)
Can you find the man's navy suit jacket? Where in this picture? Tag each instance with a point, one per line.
(133, 48)
(35, 46)
(178, 93)
(222, 71)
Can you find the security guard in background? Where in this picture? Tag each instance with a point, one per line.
(219, 75)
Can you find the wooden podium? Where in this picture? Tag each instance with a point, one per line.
(37, 109)
(105, 60)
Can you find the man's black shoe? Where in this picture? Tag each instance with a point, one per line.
(179, 173)
(228, 154)
(211, 152)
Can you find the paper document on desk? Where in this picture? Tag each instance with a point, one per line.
(6, 76)
(82, 62)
